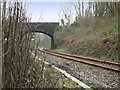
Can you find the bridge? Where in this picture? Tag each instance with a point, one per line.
(47, 28)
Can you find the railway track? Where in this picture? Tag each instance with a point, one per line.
(109, 65)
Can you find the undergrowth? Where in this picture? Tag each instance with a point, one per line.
(98, 38)
(40, 75)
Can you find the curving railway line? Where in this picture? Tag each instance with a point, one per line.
(106, 64)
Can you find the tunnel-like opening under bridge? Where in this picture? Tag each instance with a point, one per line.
(46, 28)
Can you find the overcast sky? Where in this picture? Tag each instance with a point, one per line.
(48, 11)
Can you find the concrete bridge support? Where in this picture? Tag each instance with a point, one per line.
(52, 42)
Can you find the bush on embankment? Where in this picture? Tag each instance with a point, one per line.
(97, 37)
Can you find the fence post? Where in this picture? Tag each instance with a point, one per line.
(0, 49)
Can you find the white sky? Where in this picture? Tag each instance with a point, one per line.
(48, 11)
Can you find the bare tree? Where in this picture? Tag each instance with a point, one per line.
(82, 8)
(78, 8)
(66, 13)
(0, 49)
(17, 38)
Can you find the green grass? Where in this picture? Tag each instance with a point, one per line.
(94, 86)
(61, 50)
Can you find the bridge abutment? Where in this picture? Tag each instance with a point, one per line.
(52, 42)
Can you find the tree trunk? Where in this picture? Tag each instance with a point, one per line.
(96, 9)
(0, 49)
(83, 8)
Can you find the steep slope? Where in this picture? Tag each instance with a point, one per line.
(97, 37)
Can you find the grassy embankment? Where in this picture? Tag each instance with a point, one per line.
(96, 37)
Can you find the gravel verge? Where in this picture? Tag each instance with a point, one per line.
(87, 73)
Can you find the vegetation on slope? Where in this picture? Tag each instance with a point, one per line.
(90, 36)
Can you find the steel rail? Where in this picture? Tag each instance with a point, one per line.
(113, 66)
